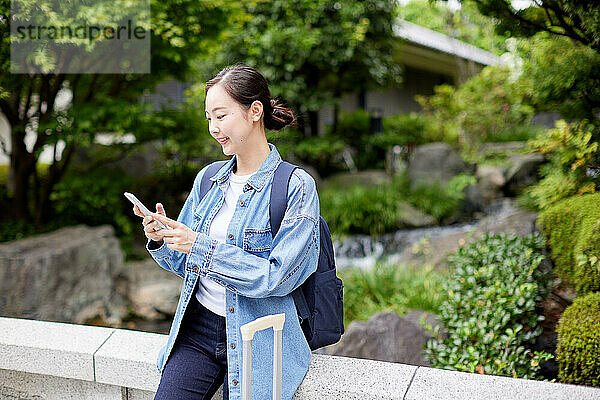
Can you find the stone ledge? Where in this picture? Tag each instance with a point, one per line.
(439, 384)
(50, 348)
(58, 361)
(128, 358)
(334, 377)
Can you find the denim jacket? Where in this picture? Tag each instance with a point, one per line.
(258, 270)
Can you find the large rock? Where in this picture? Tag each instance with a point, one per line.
(495, 148)
(490, 180)
(435, 162)
(386, 337)
(524, 171)
(75, 274)
(434, 250)
(154, 291)
(411, 217)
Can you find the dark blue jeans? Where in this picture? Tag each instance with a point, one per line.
(197, 365)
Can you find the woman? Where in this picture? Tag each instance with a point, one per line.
(234, 270)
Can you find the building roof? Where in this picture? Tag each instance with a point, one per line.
(437, 41)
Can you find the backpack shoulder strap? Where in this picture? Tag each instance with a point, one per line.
(279, 189)
(206, 183)
(277, 206)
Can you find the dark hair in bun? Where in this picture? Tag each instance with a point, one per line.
(245, 85)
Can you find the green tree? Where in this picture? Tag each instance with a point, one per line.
(562, 58)
(487, 107)
(578, 20)
(466, 24)
(566, 75)
(313, 51)
(180, 31)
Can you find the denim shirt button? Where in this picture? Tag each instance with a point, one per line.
(231, 309)
(230, 236)
(232, 345)
(195, 268)
(242, 203)
(235, 382)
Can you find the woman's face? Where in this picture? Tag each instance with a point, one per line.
(228, 122)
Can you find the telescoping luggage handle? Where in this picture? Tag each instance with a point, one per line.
(274, 321)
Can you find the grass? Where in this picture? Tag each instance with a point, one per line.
(389, 287)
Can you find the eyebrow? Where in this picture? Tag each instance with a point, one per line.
(216, 108)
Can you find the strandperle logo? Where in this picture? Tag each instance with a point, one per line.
(91, 32)
(99, 36)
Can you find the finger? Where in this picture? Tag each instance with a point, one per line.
(160, 209)
(167, 221)
(137, 211)
(147, 220)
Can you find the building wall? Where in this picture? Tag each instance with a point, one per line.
(390, 101)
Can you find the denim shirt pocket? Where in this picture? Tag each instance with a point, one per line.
(258, 241)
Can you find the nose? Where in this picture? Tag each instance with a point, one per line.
(212, 127)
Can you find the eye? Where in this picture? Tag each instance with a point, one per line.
(220, 116)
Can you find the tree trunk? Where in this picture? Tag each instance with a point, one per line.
(313, 120)
(22, 164)
(55, 173)
(21, 169)
(336, 117)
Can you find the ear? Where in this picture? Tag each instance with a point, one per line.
(256, 110)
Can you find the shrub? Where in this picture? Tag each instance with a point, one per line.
(578, 347)
(404, 129)
(570, 149)
(438, 201)
(378, 209)
(572, 227)
(389, 287)
(361, 210)
(490, 311)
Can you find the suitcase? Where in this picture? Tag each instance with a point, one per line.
(274, 321)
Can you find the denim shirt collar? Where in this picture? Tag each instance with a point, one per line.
(258, 179)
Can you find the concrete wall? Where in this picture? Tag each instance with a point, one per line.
(50, 360)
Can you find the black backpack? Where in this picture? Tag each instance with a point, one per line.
(319, 300)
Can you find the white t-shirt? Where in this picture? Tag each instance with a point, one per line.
(210, 293)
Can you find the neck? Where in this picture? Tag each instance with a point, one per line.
(250, 161)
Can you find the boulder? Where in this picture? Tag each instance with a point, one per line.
(491, 148)
(411, 217)
(386, 337)
(473, 201)
(490, 180)
(522, 172)
(154, 292)
(435, 162)
(75, 274)
(435, 250)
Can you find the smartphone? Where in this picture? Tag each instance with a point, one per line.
(131, 197)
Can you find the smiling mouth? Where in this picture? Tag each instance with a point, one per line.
(223, 140)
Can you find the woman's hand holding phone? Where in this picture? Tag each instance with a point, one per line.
(151, 228)
(179, 237)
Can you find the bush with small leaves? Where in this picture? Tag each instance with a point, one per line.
(572, 227)
(490, 312)
(578, 348)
